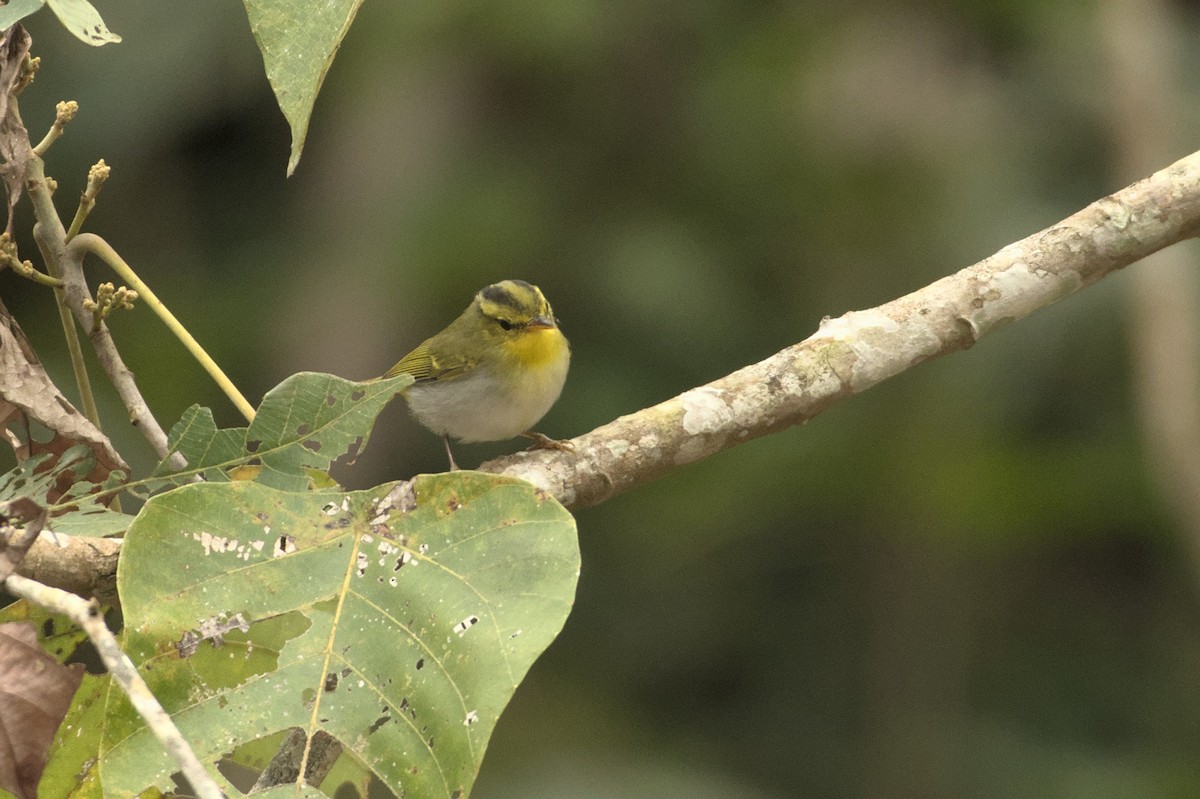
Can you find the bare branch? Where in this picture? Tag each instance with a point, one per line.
(853, 352)
(847, 355)
(79, 564)
(1164, 302)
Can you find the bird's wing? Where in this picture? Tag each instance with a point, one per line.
(424, 366)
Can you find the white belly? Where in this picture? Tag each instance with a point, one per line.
(479, 407)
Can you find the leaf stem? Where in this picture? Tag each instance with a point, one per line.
(90, 242)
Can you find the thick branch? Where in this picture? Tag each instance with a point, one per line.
(853, 352)
(79, 564)
(849, 354)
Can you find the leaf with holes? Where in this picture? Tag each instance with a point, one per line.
(399, 620)
(207, 450)
(304, 423)
(311, 419)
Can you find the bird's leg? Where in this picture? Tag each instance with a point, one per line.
(543, 441)
(449, 454)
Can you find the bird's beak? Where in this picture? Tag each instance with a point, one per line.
(539, 322)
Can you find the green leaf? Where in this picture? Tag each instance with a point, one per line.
(303, 424)
(17, 10)
(91, 520)
(71, 769)
(298, 40)
(311, 419)
(83, 20)
(399, 620)
(207, 450)
(56, 633)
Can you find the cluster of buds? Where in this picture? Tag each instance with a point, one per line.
(8, 251)
(98, 173)
(108, 299)
(29, 68)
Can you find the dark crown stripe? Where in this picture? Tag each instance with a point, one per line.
(500, 294)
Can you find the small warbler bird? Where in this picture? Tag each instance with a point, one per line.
(493, 372)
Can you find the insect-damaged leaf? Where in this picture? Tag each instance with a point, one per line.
(311, 419)
(399, 620)
(304, 423)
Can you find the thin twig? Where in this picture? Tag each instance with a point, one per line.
(64, 113)
(83, 380)
(76, 294)
(26, 270)
(96, 177)
(87, 616)
(51, 239)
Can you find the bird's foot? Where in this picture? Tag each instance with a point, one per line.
(542, 441)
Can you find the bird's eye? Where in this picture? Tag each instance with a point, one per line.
(505, 324)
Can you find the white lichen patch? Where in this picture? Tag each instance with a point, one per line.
(852, 325)
(878, 347)
(617, 447)
(704, 411)
(697, 448)
(1017, 291)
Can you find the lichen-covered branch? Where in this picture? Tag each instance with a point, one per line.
(846, 355)
(853, 352)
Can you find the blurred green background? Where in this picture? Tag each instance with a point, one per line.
(963, 583)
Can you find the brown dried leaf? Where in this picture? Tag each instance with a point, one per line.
(27, 393)
(35, 692)
(14, 139)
